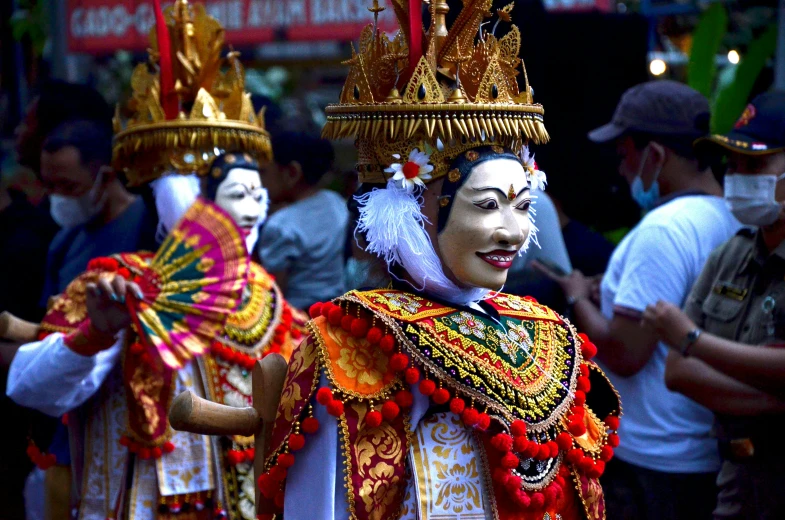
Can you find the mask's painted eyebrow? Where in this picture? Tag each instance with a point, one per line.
(499, 190)
(243, 186)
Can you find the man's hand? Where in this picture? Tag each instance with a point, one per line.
(106, 304)
(574, 285)
(668, 322)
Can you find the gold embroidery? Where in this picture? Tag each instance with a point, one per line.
(359, 360)
(454, 175)
(301, 360)
(146, 388)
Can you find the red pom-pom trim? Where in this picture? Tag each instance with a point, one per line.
(373, 419)
(441, 396)
(427, 387)
(399, 362)
(606, 453)
(390, 410)
(502, 442)
(346, 323)
(613, 440)
(310, 425)
(359, 327)
(315, 310)
(532, 450)
(564, 441)
(583, 384)
(296, 442)
(335, 408)
(404, 399)
(168, 447)
(589, 350)
(387, 343)
(510, 460)
(520, 444)
(518, 428)
(457, 405)
(335, 315)
(538, 500)
(576, 428)
(580, 398)
(374, 335)
(612, 422)
(483, 421)
(574, 456)
(470, 417)
(412, 375)
(285, 460)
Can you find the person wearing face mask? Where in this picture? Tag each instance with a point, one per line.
(666, 465)
(733, 327)
(97, 214)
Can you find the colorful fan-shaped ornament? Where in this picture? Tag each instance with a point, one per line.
(191, 285)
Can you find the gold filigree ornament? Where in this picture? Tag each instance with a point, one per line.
(188, 102)
(435, 89)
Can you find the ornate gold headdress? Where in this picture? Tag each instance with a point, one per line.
(185, 107)
(459, 89)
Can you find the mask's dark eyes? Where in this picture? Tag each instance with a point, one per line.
(524, 205)
(487, 204)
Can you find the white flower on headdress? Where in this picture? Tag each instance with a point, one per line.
(536, 178)
(414, 171)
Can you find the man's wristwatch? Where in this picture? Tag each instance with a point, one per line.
(689, 340)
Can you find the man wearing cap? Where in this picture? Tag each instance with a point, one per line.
(666, 464)
(735, 311)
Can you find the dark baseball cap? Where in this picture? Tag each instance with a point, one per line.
(760, 130)
(660, 107)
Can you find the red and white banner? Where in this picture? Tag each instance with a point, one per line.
(104, 26)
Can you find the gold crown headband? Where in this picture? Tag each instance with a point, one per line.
(185, 108)
(460, 89)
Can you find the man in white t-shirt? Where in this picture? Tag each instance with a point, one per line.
(666, 465)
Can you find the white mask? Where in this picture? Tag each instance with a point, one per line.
(69, 212)
(751, 198)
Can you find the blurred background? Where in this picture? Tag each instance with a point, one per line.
(580, 56)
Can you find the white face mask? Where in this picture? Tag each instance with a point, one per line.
(70, 212)
(751, 198)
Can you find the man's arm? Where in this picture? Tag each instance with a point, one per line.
(717, 391)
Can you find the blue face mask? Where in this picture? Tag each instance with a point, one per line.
(646, 199)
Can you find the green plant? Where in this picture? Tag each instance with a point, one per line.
(30, 20)
(706, 42)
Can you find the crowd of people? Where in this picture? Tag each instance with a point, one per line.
(687, 314)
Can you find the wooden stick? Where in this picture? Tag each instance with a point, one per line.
(191, 413)
(17, 329)
(269, 376)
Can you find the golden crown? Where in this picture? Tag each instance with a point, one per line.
(188, 102)
(459, 89)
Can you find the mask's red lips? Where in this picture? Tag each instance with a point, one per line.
(499, 258)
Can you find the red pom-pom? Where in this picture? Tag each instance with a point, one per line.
(157, 452)
(470, 417)
(613, 440)
(285, 460)
(310, 425)
(359, 327)
(441, 396)
(280, 499)
(335, 315)
(136, 348)
(427, 387)
(510, 460)
(553, 448)
(500, 476)
(606, 453)
(399, 362)
(124, 441)
(145, 453)
(589, 350)
(373, 419)
(520, 444)
(550, 494)
(324, 396)
(543, 452)
(278, 473)
(612, 422)
(598, 469)
(168, 447)
(518, 428)
(574, 456)
(502, 442)
(346, 323)
(538, 500)
(404, 399)
(390, 410)
(457, 405)
(267, 485)
(583, 384)
(513, 483)
(583, 337)
(522, 498)
(387, 343)
(412, 375)
(483, 421)
(326, 308)
(580, 398)
(585, 464)
(584, 369)
(249, 454)
(234, 457)
(532, 449)
(374, 335)
(564, 441)
(335, 408)
(576, 428)
(315, 310)
(296, 442)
